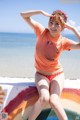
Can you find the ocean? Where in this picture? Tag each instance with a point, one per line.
(17, 56)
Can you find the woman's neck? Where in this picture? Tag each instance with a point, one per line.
(54, 35)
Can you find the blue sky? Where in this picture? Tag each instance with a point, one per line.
(11, 21)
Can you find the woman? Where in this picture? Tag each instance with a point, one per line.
(49, 76)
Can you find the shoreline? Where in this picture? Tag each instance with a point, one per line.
(32, 75)
(13, 79)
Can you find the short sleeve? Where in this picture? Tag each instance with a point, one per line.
(66, 43)
(38, 29)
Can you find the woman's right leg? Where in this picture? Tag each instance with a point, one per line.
(42, 85)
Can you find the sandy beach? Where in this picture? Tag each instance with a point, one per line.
(23, 67)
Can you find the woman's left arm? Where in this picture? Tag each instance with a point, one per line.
(75, 45)
(76, 32)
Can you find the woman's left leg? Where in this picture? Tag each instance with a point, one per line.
(56, 88)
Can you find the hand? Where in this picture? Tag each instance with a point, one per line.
(66, 25)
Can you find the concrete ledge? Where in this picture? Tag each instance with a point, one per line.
(21, 94)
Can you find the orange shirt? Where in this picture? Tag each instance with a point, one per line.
(48, 49)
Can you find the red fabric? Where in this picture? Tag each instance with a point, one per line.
(50, 77)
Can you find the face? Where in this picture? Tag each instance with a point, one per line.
(54, 27)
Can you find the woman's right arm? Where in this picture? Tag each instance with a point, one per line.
(28, 14)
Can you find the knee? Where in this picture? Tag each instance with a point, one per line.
(54, 99)
(44, 99)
